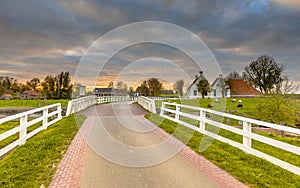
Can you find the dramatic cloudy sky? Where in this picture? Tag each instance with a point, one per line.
(41, 37)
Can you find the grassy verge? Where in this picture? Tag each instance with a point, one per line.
(35, 163)
(251, 170)
(30, 103)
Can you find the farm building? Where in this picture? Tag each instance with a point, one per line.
(29, 94)
(219, 89)
(6, 97)
(104, 91)
(240, 88)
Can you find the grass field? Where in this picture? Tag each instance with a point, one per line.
(249, 108)
(34, 164)
(30, 103)
(251, 170)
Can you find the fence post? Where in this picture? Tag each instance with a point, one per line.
(153, 108)
(177, 112)
(23, 129)
(45, 118)
(69, 108)
(202, 117)
(247, 129)
(59, 111)
(162, 109)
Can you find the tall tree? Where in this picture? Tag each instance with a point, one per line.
(203, 87)
(178, 87)
(8, 85)
(58, 86)
(143, 89)
(233, 76)
(33, 83)
(155, 87)
(264, 73)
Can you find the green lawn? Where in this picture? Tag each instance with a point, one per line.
(251, 170)
(249, 108)
(34, 164)
(30, 103)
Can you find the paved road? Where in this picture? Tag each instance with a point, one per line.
(122, 150)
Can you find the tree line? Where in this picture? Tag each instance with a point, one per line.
(53, 87)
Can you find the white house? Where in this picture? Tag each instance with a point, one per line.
(192, 90)
(219, 89)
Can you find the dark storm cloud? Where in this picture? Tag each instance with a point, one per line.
(53, 35)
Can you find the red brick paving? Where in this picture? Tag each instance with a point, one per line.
(69, 170)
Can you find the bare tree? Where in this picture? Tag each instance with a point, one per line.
(264, 73)
(178, 87)
(233, 76)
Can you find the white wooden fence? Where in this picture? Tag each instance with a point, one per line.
(147, 103)
(50, 115)
(105, 99)
(79, 104)
(246, 133)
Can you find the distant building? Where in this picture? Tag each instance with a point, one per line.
(104, 91)
(240, 88)
(6, 97)
(29, 94)
(192, 90)
(219, 88)
(82, 91)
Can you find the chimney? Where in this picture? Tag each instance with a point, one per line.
(201, 73)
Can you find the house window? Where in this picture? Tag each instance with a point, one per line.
(195, 92)
(215, 92)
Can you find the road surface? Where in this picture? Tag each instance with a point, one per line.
(124, 152)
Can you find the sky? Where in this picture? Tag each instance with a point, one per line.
(42, 37)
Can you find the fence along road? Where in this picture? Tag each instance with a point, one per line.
(50, 115)
(168, 108)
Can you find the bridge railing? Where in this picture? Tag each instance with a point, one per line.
(147, 103)
(174, 112)
(105, 99)
(46, 116)
(79, 104)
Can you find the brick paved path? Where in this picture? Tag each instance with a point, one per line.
(69, 170)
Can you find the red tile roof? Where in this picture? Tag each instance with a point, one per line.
(30, 92)
(240, 87)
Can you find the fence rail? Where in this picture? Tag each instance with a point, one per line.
(246, 132)
(79, 104)
(147, 103)
(105, 99)
(50, 115)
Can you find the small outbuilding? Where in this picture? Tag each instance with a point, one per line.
(104, 91)
(6, 97)
(29, 94)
